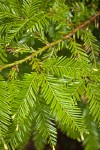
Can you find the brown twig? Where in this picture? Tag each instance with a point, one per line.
(51, 44)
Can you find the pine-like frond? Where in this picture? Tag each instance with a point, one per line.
(30, 7)
(5, 114)
(93, 94)
(39, 24)
(63, 12)
(80, 9)
(28, 18)
(91, 140)
(77, 50)
(3, 56)
(64, 66)
(45, 122)
(22, 99)
(39, 141)
(61, 103)
(15, 6)
(91, 46)
(19, 134)
(15, 31)
(26, 96)
(5, 13)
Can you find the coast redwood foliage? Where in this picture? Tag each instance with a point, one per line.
(49, 72)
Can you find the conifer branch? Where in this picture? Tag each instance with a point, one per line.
(51, 44)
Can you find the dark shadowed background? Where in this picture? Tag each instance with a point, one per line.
(63, 143)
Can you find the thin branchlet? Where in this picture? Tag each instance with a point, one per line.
(51, 44)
